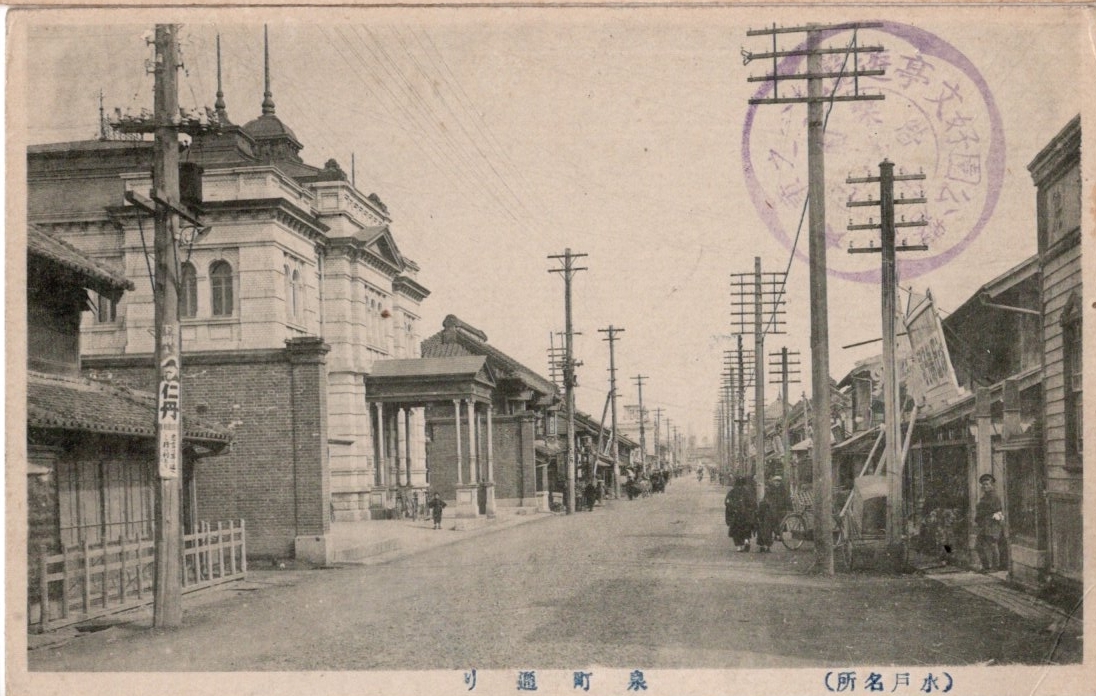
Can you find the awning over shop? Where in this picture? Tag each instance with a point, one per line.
(861, 438)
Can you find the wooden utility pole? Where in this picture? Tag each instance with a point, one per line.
(611, 337)
(753, 296)
(892, 410)
(741, 420)
(568, 272)
(167, 596)
(788, 365)
(642, 417)
(165, 206)
(816, 194)
(658, 447)
(759, 384)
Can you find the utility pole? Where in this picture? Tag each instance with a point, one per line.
(816, 195)
(892, 409)
(658, 447)
(754, 295)
(167, 597)
(741, 420)
(729, 394)
(612, 332)
(165, 206)
(568, 272)
(642, 417)
(788, 364)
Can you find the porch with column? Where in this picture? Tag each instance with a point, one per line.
(460, 460)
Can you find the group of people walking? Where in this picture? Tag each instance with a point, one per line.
(747, 517)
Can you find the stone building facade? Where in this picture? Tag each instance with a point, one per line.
(288, 294)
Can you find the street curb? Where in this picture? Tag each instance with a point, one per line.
(447, 540)
(997, 590)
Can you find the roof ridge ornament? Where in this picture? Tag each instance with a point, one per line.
(268, 98)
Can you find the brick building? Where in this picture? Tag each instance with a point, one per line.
(291, 291)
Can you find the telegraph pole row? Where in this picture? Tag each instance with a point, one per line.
(758, 294)
(568, 272)
(816, 195)
(892, 410)
(612, 332)
(642, 417)
(658, 447)
(789, 366)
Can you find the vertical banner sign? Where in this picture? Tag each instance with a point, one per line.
(167, 413)
(932, 378)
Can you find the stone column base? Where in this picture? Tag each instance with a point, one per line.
(314, 549)
(489, 498)
(542, 502)
(467, 504)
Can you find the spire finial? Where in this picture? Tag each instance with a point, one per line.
(219, 105)
(102, 118)
(268, 98)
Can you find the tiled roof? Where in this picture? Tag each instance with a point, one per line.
(460, 338)
(428, 367)
(73, 403)
(41, 244)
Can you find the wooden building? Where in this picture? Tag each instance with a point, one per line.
(91, 452)
(1056, 171)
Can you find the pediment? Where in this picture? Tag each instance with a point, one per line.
(384, 245)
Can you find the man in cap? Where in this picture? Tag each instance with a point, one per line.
(989, 521)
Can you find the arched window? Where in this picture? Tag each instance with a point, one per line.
(296, 301)
(220, 283)
(188, 292)
(372, 321)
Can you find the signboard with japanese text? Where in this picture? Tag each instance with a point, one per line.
(931, 377)
(168, 419)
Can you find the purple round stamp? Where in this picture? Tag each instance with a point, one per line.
(938, 118)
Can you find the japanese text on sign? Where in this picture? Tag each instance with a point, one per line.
(168, 418)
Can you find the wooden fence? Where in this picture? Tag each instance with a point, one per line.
(86, 581)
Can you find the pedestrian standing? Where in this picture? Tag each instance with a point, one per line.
(589, 494)
(770, 511)
(989, 520)
(436, 505)
(740, 512)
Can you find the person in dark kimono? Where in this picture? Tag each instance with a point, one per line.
(590, 493)
(770, 511)
(989, 521)
(436, 505)
(740, 512)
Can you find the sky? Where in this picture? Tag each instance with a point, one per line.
(498, 137)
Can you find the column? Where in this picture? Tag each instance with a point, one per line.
(401, 444)
(382, 455)
(490, 445)
(473, 448)
(456, 423)
(411, 442)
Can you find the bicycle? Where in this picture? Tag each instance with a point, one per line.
(798, 527)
